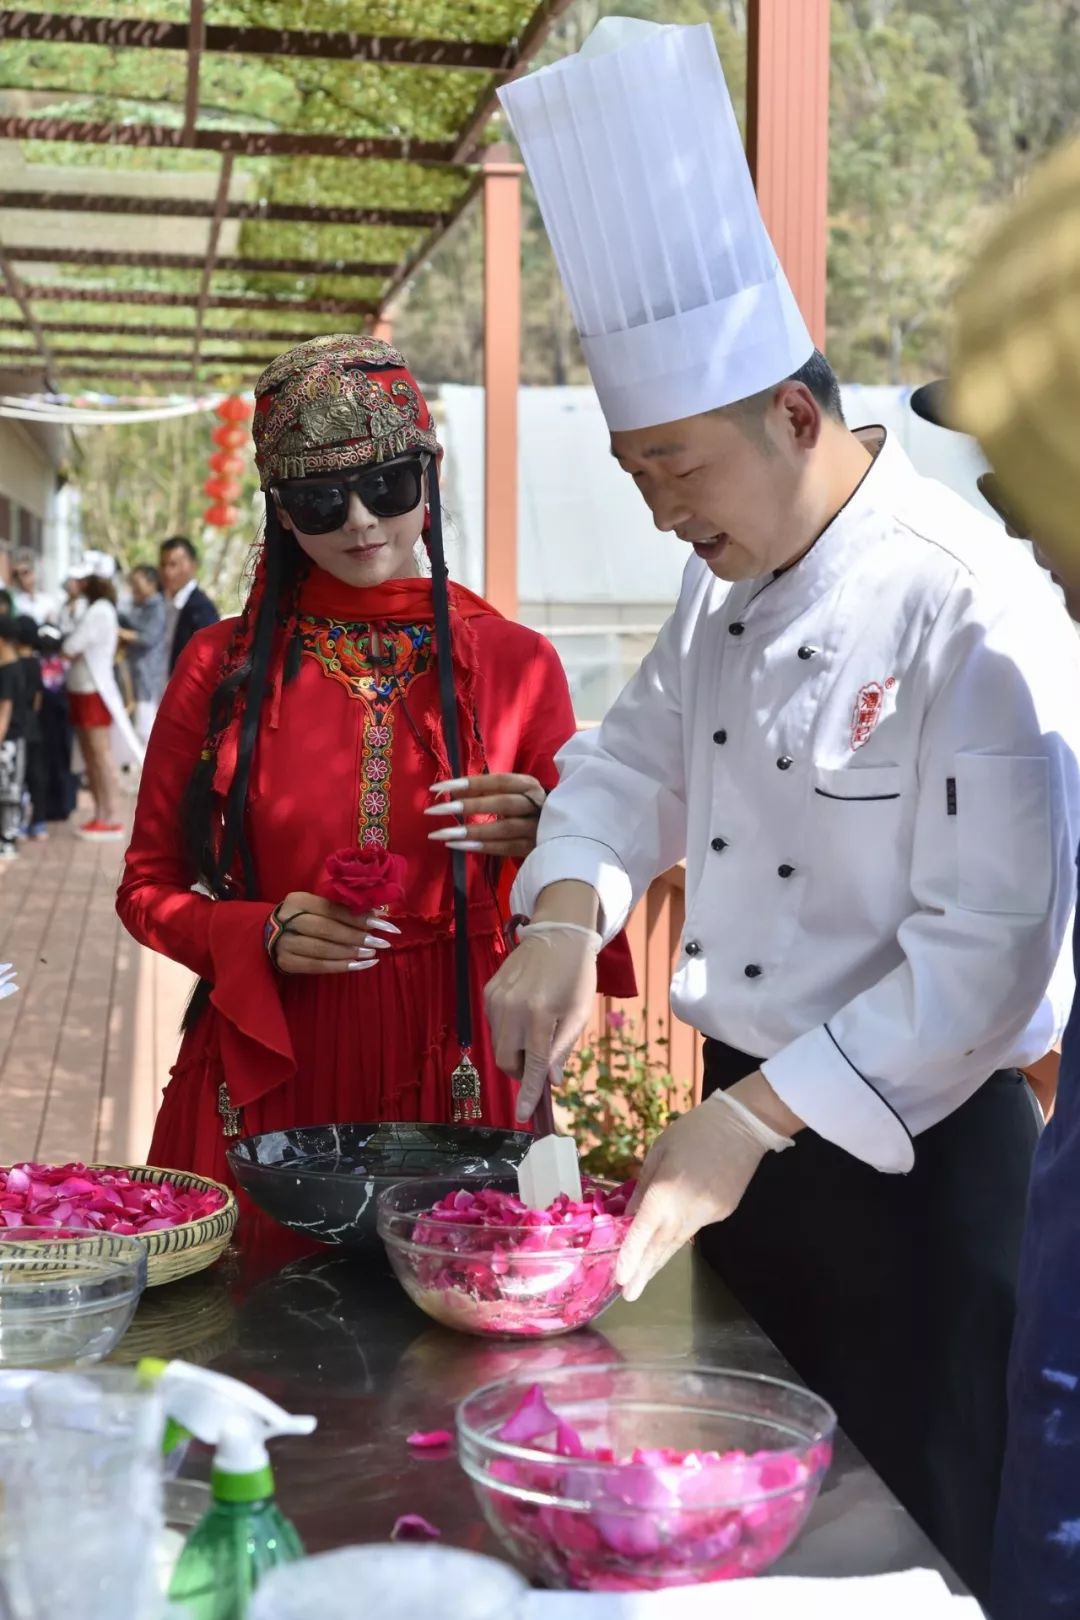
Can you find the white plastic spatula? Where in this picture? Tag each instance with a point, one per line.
(551, 1165)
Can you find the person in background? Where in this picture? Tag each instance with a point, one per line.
(39, 605)
(57, 737)
(33, 692)
(12, 739)
(190, 608)
(73, 606)
(931, 402)
(147, 645)
(7, 604)
(97, 710)
(1015, 386)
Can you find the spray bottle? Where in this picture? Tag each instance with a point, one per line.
(244, 1534)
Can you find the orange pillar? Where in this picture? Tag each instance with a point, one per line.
(383, 328)
(787, 138)
(502, 372)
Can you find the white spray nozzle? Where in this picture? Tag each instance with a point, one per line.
(224, 1413)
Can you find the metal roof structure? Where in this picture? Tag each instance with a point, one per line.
(186, 186)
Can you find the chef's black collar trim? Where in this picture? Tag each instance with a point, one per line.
(875, 447)
(870, 1083)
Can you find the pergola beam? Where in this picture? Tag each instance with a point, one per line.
(164, 300)
(211, 253)
(17, 291)
(429, 244)
(242, 143)
(134, 33)
(194, 261)
(183, 208)
(196, 42)
(122, 361)
(180, 334)
(539, 26)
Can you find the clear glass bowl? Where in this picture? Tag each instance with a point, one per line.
(66, 1298)
(625, 1526)
(478, 1279)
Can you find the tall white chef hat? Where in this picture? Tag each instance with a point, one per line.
(634, 153)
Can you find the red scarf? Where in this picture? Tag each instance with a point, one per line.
(400, 601)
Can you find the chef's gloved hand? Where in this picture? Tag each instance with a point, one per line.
(539, 1002)
(696, 1172)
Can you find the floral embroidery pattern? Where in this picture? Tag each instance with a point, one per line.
(377, 665)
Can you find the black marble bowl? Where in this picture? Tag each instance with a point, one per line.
(324, 1180)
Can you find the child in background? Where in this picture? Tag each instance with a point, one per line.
(12, 738)
(33, 689)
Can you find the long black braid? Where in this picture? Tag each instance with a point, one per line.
(216, 839)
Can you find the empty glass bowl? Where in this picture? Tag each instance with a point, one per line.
(524, 1282)
(66, 1298)
(620, 1509)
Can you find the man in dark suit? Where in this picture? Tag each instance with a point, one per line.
(190, 608)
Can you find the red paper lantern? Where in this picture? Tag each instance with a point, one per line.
(234, 409)
(222, 489)
(229, 438)
(220, 516)
(223, 461)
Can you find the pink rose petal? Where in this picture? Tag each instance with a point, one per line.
(46, 1197)
(430, 1439)
(656, 1518)
(413, 1527)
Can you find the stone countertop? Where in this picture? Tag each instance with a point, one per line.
(329, 1335)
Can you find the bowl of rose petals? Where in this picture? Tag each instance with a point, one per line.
(183, 1221)
(636, 1478)
(475, 1258)
(66, 1297)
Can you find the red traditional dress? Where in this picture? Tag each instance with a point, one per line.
(346, 754)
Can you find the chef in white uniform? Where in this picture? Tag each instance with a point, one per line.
(860, 730)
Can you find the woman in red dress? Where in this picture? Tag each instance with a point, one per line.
(319, 723)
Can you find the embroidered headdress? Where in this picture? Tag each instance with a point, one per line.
(335, 403)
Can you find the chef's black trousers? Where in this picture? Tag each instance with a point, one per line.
(893, 1295)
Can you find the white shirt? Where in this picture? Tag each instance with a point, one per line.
(92, 640)
(176, 604)
(869, 763)
(40, 605)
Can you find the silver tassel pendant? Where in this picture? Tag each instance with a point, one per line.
(465, 1090)
(230, 1116)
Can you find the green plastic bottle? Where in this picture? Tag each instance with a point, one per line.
(244, 1533)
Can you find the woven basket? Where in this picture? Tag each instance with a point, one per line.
(180, 1251)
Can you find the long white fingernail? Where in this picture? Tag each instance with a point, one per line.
(458, 785)
(454, 807)
(376, 943)
(358, 967)
(469, 846)
(449, 835)
(384, 926)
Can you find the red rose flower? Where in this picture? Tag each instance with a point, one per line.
(364, 879)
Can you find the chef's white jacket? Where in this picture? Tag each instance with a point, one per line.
(869, 762)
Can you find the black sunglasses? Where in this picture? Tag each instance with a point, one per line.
(388, 490)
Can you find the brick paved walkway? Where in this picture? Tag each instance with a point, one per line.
(86, 1045)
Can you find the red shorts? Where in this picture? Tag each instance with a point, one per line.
(88, 711)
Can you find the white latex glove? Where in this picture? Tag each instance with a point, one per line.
(539, 1002)
(696, 1172)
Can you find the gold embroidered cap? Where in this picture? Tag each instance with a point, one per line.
(335, 403)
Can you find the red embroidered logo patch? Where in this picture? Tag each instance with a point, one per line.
(869, 708)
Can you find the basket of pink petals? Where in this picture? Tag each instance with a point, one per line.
(627, 1478)
(185, 1221)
